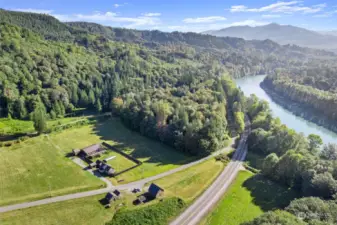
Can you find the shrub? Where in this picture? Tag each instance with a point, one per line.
(155, 214)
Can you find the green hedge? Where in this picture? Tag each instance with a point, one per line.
(156, 214)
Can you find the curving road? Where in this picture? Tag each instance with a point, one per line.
(194, 213)
(110, 187)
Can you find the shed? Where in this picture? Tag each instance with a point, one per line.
(117, 193)
(155, 191)
(109, 196)
(92, 150)
(76, 152)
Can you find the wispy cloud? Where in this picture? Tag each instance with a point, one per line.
(151, 14)
(210, 19)
(43, 11)
(281, 7)
(106, 18)
(117, 5)
(325, 14)
(269, 16)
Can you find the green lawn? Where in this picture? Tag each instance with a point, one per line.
(248, 197)
(36, 169)
(119, 163)
(190, 183)
(156, 157)
(88, 211)
(13, 126)
(84, 211)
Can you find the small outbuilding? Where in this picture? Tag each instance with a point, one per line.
(92, 151)
(76, 152)
(155, 191)
(109, 196)
(117, 193)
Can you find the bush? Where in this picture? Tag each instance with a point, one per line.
(223, 158)
(155, 214)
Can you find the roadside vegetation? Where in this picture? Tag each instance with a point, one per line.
(159, 213)
(248, 197)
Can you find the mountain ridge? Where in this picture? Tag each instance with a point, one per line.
(282, 34)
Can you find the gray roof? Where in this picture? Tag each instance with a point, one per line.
(91, 149)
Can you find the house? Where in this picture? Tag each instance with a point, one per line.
(106, 169)
(92, 151)
(155, 191)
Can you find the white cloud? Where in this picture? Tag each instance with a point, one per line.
(151, 14)
(210, 19)
(116, 5)
(268, 16)
(43, 11)
(106, 18)
(281, 7)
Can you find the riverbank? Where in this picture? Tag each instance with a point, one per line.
(300, 110)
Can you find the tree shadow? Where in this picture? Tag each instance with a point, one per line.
(138, 146)
(268, 194)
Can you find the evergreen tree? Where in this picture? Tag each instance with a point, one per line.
(40, 118)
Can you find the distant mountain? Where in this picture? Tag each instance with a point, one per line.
(282, 34)
(332, 32)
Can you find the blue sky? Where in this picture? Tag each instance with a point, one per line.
(186, 15)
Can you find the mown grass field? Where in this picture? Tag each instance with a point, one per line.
(36, 169)
(156, 157)
(88, 211)
(119, 163)
(191, 182)
(249, 196)
(84, 211)
(13, 126)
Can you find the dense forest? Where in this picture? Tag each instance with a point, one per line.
(175, 87)
(312, 91)
(297, 162)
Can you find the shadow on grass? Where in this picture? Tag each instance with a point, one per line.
(268, 194)
(138, 146)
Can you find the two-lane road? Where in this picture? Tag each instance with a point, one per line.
(193, 214)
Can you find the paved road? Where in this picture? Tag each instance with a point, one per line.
(193, 214)
(110, 187)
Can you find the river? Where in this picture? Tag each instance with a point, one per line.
(251, 85)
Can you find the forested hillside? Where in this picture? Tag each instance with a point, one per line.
(312, 90)
(166, 99)
(175, 87)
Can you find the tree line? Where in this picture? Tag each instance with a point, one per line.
(312, 90)
(297, 162)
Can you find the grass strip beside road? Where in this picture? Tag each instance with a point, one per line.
(249, 196)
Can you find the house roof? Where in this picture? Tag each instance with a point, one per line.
(91, 149)
(154, 189)
(109, 196)
(116, 192)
